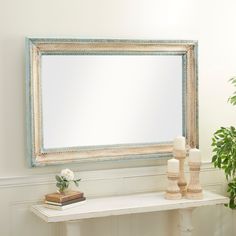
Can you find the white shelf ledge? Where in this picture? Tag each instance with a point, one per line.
(121, 205)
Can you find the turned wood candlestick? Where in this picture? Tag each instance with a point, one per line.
(172, 191)
(194, 190)
(182, 183)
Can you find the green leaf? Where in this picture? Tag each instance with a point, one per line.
(232, 99)
(224, 155)
(58, 178)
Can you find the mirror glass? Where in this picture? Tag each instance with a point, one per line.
(91, 100)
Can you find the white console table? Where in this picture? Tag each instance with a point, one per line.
(128, 204)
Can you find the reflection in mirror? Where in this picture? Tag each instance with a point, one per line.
(93, 100)
(90, 100)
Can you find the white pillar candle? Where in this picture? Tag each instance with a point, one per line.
(194, 155)
(173, 166)
(179, 143)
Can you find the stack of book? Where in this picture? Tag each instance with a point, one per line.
(63, 201)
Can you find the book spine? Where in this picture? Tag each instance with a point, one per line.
(61, 208)
(65, 203)
(64, 198)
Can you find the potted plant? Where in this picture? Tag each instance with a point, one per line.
(224, 153)
(64, 179)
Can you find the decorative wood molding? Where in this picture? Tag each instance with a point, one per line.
(32, 180)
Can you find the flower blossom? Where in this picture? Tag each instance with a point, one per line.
(67, 174)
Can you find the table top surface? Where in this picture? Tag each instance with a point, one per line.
(127, 204)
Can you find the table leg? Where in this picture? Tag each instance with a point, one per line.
(73, 228)
(185, 221)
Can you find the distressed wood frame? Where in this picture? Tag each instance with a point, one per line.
(36, 47)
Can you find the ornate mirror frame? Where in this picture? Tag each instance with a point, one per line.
(36, 47)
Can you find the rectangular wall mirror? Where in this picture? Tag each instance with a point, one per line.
(92, 100)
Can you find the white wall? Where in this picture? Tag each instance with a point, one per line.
(212, 23)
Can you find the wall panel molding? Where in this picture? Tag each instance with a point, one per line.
(123, 173)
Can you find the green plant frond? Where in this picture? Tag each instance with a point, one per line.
(233, 80)
(58, 178)
(64, 179)
(232, 194)
(214, 158)
(63, 183)
(232, 99)
(224, 150)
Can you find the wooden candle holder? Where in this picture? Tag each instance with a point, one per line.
(182, 183)
(173, 191)
(194, 190)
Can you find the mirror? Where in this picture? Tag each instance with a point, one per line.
(109, 99)
(91, 100)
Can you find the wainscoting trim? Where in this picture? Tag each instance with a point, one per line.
(18, 181)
